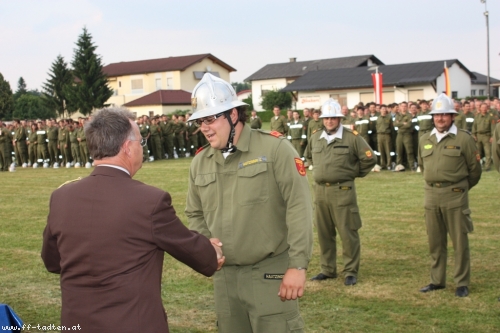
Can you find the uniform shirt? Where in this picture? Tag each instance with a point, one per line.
(459, 120)
(425, 122)
(256, 201)
(296, 130)
(384, 124)
(373, 123)
(483, 124)
(278, 124)
(469, 121)
(314, 126)
(450, 157)
(41, 136)
(53, 133)
(362, 126)
(399, 123)
(344, 158)
(255, 122)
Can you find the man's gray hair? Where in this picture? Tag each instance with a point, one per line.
(107, 131)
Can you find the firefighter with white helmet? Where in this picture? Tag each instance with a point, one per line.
(248, 192)
(339, 155)
(449, 160)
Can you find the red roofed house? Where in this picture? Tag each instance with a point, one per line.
(161, 86)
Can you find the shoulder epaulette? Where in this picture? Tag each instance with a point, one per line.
(354, 132)
(276, 134)
(317, 129)
(201, 148)
(70, 181)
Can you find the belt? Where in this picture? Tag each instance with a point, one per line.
(488, 133)
(440, 184)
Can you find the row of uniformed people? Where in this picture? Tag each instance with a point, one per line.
(29, 143)
(169, 137)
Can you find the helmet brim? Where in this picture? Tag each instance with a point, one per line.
(332, 116)
(215, 110)
(443, 112)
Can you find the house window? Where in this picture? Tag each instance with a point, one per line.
(265, 88)
(119, 84)
(341, 98)
(137, 87)
(151, 114)
(473, 92)
(170, 83)
(481, 92)
(454, 94)
(115, 92)
(158, 84)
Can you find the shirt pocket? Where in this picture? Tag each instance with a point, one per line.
(450, 159)
(317, 153)
(340, 156)
(208, 191)
(252, 186)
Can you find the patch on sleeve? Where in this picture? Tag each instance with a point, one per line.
(70, 181)
(276, 134)
(300, 166)
(199, 150)
(368, 153)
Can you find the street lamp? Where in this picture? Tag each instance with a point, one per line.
(486, 15)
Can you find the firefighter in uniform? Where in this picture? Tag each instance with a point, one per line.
(482, 130)
(384, 127)
(338, 156)
(404, 139)
(362, 124)
(449, 161)
(249, 190)
(278, 122)
(297, 132)
(255, 121)
(469, 117)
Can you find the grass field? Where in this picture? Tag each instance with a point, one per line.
(394, 259)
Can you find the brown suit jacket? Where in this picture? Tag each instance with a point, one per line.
(106, 235)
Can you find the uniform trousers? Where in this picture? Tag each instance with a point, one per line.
(42, 153)
(5, 156)
(168, 145)
(296, 145)
(75, 151)
(247, 301)
(336, 210)
(404, 143)
(62, 150)
(484, 147)
(447, 211)
(384, 148)
(53, 151)
(156, 146)
(22, 152)
(84, 152)
(32, 153)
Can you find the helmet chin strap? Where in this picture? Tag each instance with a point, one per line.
(230, 147)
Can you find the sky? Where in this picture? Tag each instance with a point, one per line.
(247, 35)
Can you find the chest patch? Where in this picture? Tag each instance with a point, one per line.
(427, 146)
(260, 159)
(452, 147)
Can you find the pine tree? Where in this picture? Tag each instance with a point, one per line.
(90, 89)
(55, 89)
(6, 99)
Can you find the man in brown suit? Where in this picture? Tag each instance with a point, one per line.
(106, 236)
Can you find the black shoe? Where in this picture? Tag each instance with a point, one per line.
(431, 287)
(350, 281)
(321, 277)
(462, 291)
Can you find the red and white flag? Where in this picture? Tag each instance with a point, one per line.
(377, 86)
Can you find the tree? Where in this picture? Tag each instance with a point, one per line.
(21, 88)
(6, 99)
(56, 88)
(90, 89)
(281, 99)
(30, 106)
(249, 101)
(240, 86)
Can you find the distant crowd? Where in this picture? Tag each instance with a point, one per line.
(392, 131)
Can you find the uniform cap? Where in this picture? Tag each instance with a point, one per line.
(443, 104)
(331, 109)
(212, 96)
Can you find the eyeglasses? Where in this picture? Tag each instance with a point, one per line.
(207, 120)
(143, 142)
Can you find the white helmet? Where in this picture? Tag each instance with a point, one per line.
(56, 165)
(88, 165)
(442, 104)
(77, 165)
(68, 165)
(35, 165)
(212, 96)
(331, 109)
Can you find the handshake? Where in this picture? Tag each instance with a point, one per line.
(216, 243)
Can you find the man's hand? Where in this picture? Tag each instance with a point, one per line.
(216, 243)
(293, 284)
(491, 140)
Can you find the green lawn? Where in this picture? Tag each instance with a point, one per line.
(394, 259)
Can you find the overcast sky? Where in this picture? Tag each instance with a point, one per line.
(246, 34)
